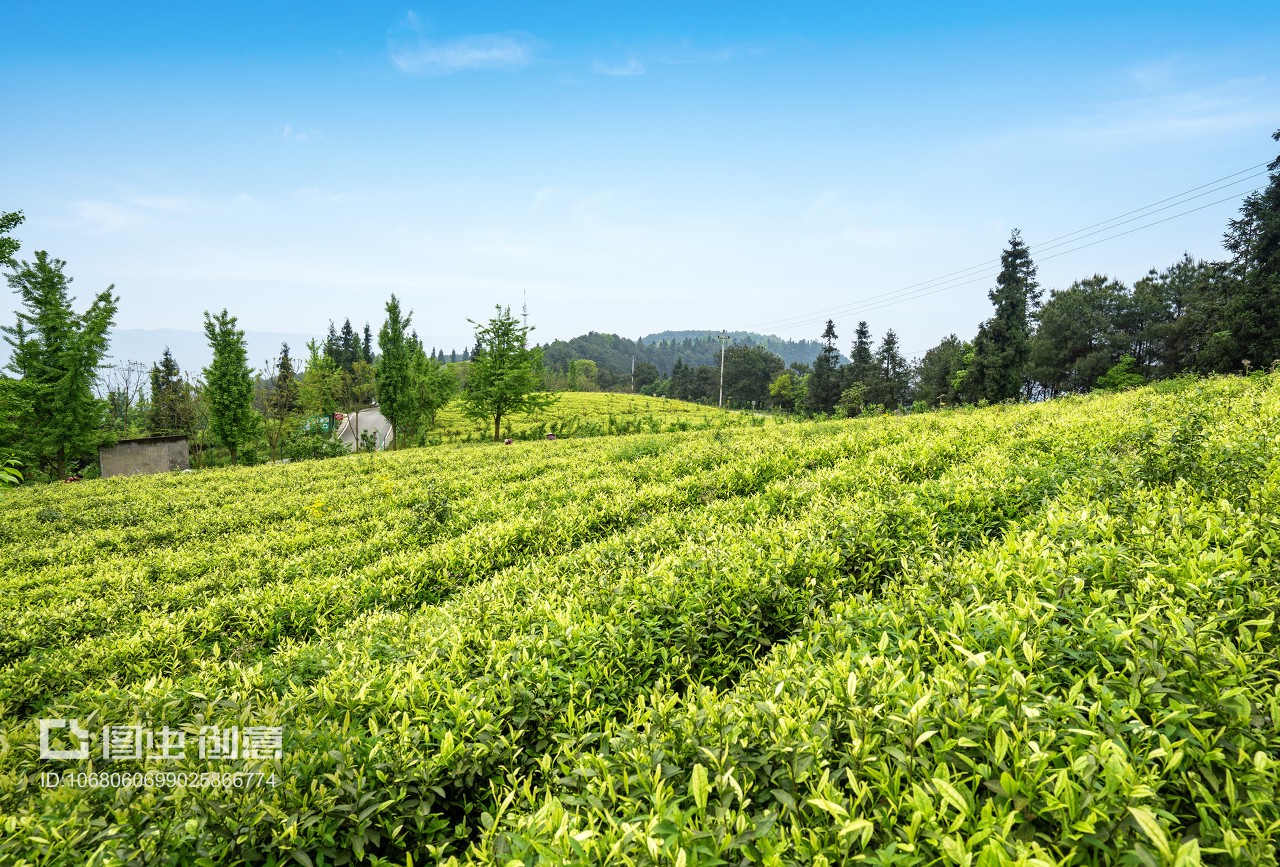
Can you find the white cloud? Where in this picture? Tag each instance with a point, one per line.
(288, 133)
(419, 55)
(99, 216)
(1155, 116)
(631, 67)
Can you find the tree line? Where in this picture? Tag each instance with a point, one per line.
(1192, 317)
(62, 402)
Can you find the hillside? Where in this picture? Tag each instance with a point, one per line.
(583, 414)
(1025, 634)
(663, 349)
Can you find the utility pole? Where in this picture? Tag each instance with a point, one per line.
(525, 311)
(724, 338)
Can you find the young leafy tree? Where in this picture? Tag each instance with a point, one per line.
(432, 386)
(56, 355)
(786, 389)
(279, 398)
(229, 385)
(1000, 351)
(322, 382)
(824, 382)
(395, 392)
(505, 372)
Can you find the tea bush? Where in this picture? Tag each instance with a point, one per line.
(1018, 635)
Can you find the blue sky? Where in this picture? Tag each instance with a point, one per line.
(632, 167)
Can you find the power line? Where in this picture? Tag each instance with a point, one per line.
(984, 267)
(855, 308)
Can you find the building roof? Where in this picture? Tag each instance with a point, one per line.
(165, 439)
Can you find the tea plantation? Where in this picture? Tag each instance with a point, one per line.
(1035, 634)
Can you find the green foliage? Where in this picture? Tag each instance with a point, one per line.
(823, 384)
(228, 385)
(1080, 336)
(1120, 376)
(323, 382)
(171, 411)
(278, 398)
(56, 354)
(787, 389)
(505, 373)
(10, 472)
(1251, 302)
(1036, 634)
(940, 375)
(8, 245)
(749, 371)
(311, 445)
(1000, 350)
(394, 376)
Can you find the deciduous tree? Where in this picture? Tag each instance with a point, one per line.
(505, 372)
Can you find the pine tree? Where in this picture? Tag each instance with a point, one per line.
(229, 384)
(56, 352)
(999, 368)
(366, 346)
(824, 382)
(170, 413)
(348, 346)
(891, 383)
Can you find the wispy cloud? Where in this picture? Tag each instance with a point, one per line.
(289, 133)
(323, 197)
(102, 217)
(832, 216)
(685, 51)
(1157, 114)
(631, 67)
(414, 52)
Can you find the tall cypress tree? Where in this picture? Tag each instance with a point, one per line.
(395, 397)
(999, 368)
(229, 384)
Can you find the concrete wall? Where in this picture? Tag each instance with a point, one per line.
(152, 455)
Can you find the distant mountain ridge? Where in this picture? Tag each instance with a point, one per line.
(662, 349)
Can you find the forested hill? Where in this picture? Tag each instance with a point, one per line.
(662, 349)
